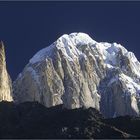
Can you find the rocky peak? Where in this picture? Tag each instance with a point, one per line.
(5, 81)
(77, 71)
(2, 54)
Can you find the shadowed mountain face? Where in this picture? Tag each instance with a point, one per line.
(33, 120)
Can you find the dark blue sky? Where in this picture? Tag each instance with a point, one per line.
(26, 27)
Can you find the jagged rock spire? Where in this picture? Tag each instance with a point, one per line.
(5, 81)
(2, 53)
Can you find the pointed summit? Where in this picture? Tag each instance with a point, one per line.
(1, 44)
(2, 53)
(5, 81)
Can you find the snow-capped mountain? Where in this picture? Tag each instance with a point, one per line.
(77, 71)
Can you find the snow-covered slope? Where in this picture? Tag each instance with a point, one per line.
(78, 72)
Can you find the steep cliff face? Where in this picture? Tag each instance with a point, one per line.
(77, 71)
(5, 81)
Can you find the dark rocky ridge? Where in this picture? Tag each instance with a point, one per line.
(33, 120)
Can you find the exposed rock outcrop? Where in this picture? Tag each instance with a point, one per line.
(77, 71)
(5, 81)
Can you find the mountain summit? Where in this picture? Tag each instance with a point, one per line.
(77, 71)
(5, 80)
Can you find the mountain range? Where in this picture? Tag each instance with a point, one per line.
(74, 75)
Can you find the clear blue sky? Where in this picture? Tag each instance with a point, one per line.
(26, 27)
